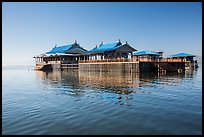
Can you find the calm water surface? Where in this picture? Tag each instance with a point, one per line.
(66, 102)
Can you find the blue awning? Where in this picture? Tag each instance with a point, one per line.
(182, 55)
(145, 52)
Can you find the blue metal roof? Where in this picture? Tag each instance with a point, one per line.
(60, 49)
(106, 47)
(182, 55)
(145, 52)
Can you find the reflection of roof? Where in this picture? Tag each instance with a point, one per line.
(182, 55)
(60, 49)
(145, 52)
(106, 47)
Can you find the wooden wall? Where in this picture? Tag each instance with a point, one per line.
(109, 67)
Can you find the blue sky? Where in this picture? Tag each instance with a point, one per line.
(30, 29)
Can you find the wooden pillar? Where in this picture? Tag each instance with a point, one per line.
(131, 56)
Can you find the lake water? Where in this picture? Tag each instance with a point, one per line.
(66, 102)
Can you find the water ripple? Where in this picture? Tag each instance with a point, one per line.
(65, 102)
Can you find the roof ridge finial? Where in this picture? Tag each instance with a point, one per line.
(55, 45)
(119, 40)
(75, 42)
(126, 42)
(102, 43)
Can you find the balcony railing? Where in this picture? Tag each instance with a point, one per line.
(115, 60)
(134, 60)
(172, 60)
(49, 62)
(106, 60)
(145, 60)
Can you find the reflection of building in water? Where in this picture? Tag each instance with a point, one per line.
(111, 81)
(114, 87)
(59, 77)
(118, 82)
(164, 79)
(49, 77)
(64, 81)
(190, 72)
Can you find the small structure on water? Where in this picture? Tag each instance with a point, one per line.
(145, 55)
(188, 58)
(59, 56)
(183, 56)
